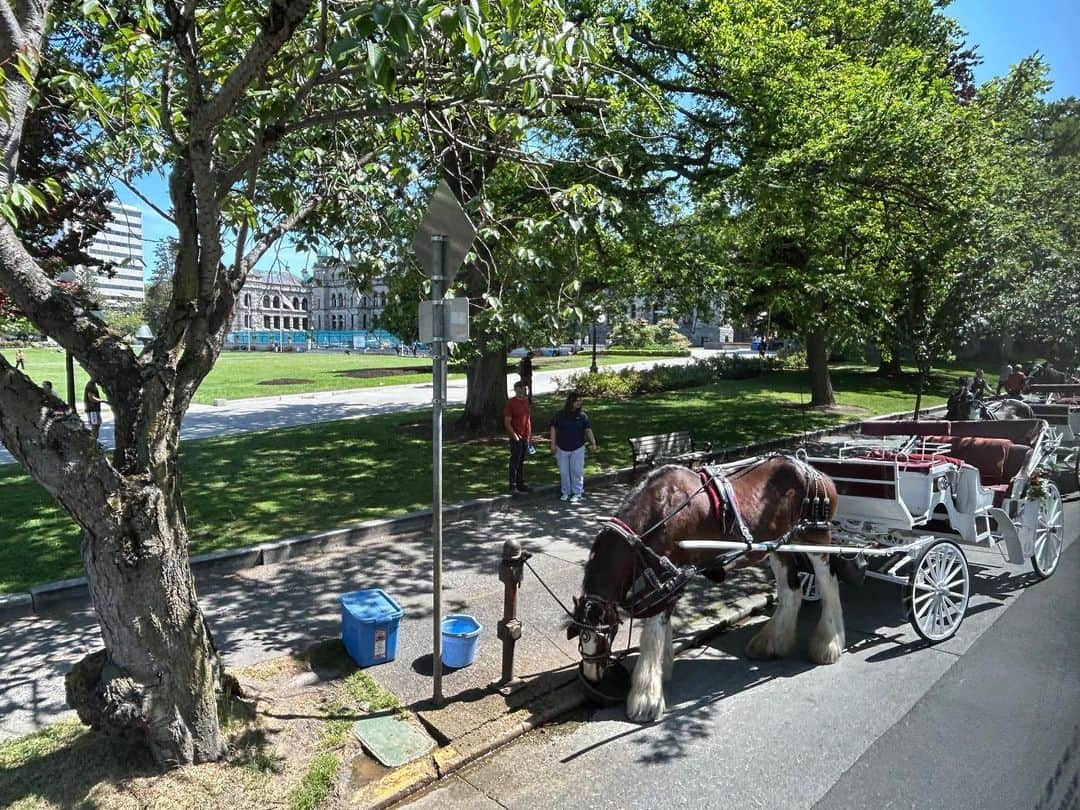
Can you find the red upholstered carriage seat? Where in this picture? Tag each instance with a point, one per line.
(997, 449)
(1017, 431)
(997, 460)
(915, 462)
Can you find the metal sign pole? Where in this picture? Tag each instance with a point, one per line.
(438, 252)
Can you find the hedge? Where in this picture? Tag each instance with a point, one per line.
(630, 382)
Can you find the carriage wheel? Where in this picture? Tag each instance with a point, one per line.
(1049, 533)
(808, 586)
(937, 593)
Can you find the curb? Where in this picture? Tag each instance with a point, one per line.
(74, 594)
(455, 755)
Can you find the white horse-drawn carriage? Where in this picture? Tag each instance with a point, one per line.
(911, 494)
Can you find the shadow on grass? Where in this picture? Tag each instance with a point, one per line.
(65, 763)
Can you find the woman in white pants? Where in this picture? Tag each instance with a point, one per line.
(570, 430)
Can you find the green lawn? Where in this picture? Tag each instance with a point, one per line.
(254, 487)
(239, 375)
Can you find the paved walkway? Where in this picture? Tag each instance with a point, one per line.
(275, 412)
(270, 611)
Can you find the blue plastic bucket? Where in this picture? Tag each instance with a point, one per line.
(369, 626)
(460, 635)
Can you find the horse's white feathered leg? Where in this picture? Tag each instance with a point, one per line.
(776, 638)
(645, 702)
(827, 642)
(669, 651)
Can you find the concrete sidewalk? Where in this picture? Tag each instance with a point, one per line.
(265, 612)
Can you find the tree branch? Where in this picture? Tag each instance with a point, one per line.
(49, 442)
(14, 39)
(277, 28)
(59, 314)
(239, 273)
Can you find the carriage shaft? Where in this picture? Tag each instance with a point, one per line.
(797, 548)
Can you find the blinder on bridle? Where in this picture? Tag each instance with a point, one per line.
(594, 617)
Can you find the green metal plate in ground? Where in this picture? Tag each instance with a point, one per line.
(391, 740)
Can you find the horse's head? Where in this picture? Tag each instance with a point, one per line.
(595, 623)
(609, 574)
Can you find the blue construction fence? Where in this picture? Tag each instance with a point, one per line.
(358, 340)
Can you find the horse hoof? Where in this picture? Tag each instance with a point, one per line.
(763, 645)
(826, 651)
(644, 708)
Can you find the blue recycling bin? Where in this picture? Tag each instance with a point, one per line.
(369, 626)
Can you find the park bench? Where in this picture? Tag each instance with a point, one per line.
(677, 447)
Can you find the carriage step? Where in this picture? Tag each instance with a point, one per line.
(1013, 553)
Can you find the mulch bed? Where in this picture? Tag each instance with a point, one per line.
(285, 381)
(367, 373)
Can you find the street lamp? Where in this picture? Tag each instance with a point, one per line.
(599, 319)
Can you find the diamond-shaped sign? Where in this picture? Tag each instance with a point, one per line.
(444, 216)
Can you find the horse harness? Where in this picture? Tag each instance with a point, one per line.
(661, 582)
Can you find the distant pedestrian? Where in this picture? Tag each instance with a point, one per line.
(92, 406)
(46, 386)
(20, 360)
(570, 429)
(525, 372)
(979, 387)
(1014, 386)
(517, 419)
(1004, 374)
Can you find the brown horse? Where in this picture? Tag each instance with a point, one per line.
(628, 570)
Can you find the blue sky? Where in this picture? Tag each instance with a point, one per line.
(1008, 30)
(1005, 31)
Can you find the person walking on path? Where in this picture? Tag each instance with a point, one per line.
(570, 429)
(92, 406)
(20, 359)
(517, 419)
(525, 372)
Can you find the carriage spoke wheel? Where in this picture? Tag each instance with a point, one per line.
(1049, 533)
(937, 593)
(808, 586)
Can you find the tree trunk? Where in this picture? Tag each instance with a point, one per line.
(817, 358)
(486, 389)
(157, 678)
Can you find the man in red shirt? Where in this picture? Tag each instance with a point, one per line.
(518, 422)
(1015, 384)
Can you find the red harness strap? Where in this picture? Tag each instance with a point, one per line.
(713, 492)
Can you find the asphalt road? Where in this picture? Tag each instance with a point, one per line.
(987, 720)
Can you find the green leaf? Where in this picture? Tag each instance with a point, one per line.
(376, 58)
